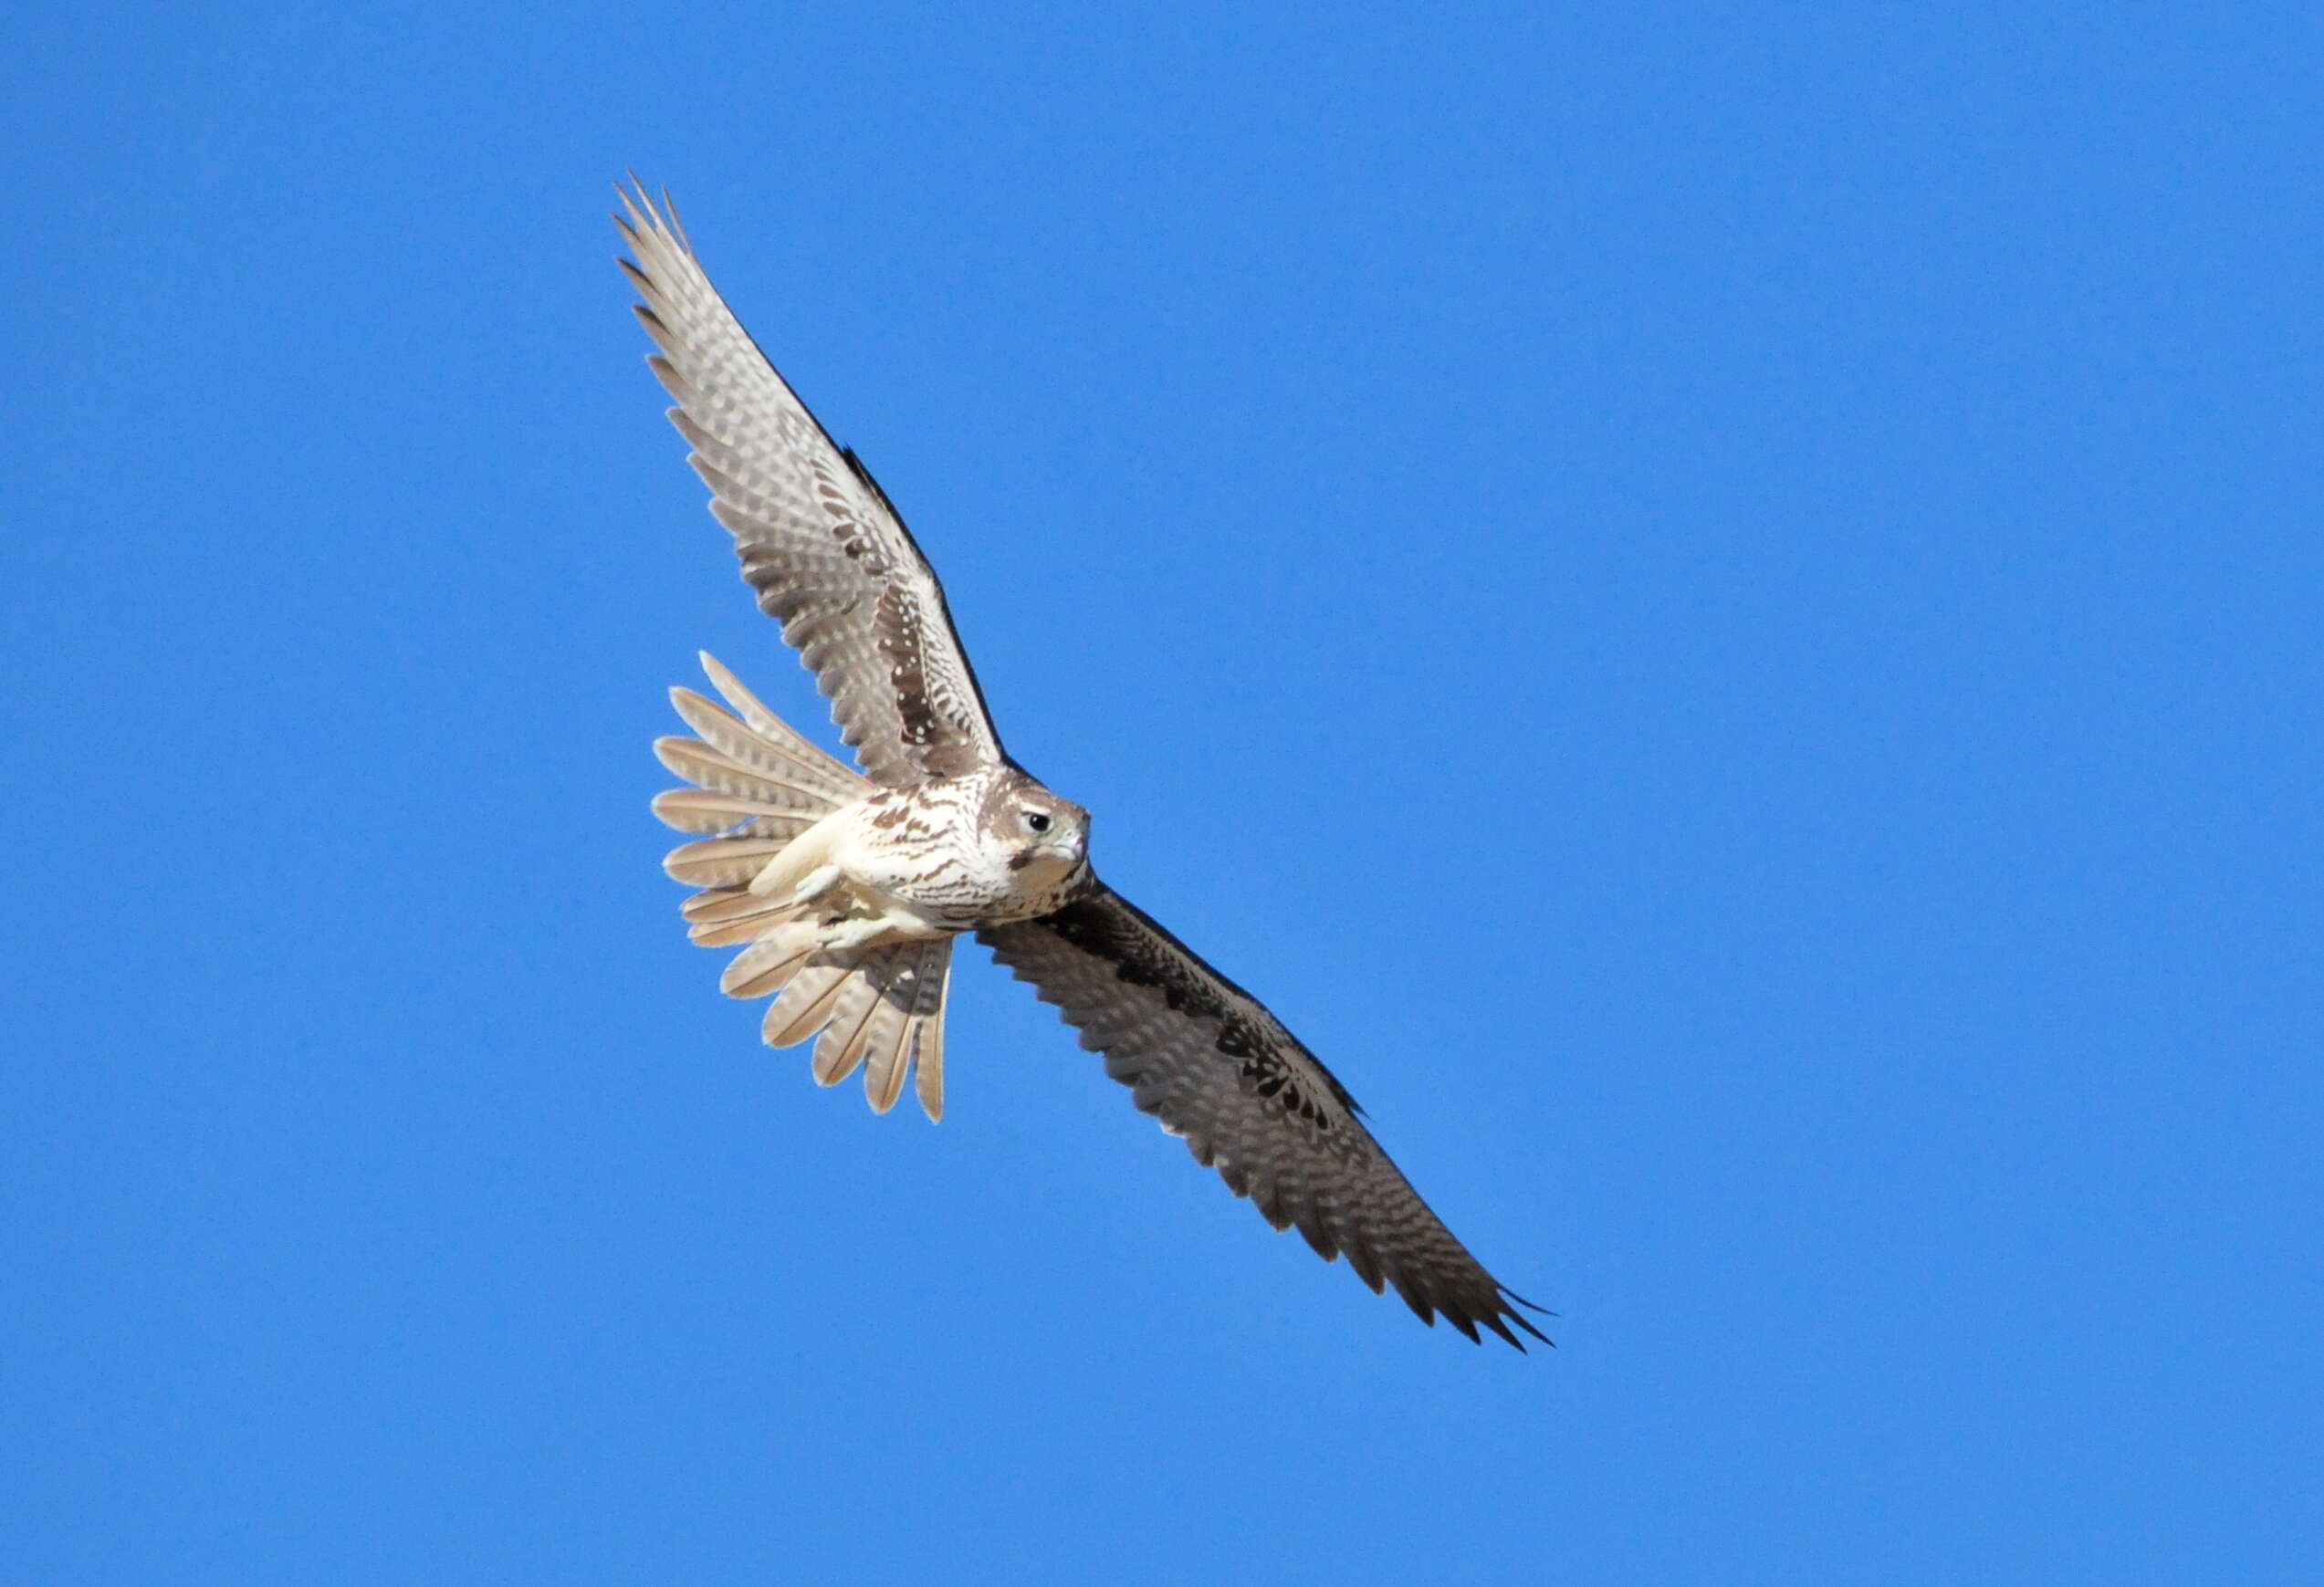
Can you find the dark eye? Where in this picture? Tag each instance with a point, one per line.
(1037, 820)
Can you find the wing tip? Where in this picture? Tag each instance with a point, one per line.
(1508, 1301)
(1497, 1315)
(643, 214)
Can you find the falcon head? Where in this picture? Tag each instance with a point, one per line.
(1046, 838)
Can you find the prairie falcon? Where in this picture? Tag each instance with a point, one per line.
(844, 891)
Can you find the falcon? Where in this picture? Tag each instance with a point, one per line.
(845, 889)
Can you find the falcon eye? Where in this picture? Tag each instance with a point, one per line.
(1037, 820)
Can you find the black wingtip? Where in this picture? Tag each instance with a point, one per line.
(1508, 1294)
(1498, 1326)
(1520, 1320)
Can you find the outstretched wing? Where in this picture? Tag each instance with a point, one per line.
(830, 557)
(1207, 1059)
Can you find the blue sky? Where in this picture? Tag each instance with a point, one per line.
(1718, 605)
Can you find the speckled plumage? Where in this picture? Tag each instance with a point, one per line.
(845, 891)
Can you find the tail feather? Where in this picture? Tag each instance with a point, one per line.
(768, 964)
(688, 809)
(721, 861)
(777, 734)
(705, 767)
(805, 1006)
(839, 1051)
(931, 979)
(810, 786)
(927, 1068)
(888, 1059)
(731, 915)
(890, 1014)
(758, 785)
(724, 904)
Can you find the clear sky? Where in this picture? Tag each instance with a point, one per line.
(1718, 605)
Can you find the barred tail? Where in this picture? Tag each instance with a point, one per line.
(878, 1009)
(886, 1017)
(757, 786)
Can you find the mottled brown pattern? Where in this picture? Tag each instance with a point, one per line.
(1215, 1067)
(959, 838)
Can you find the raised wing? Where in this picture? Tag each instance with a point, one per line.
(1207, 1059)
(818, 541)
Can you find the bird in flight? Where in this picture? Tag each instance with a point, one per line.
(845, 889)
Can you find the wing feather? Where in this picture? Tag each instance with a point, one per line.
(819, 542)
(1214, 1066)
